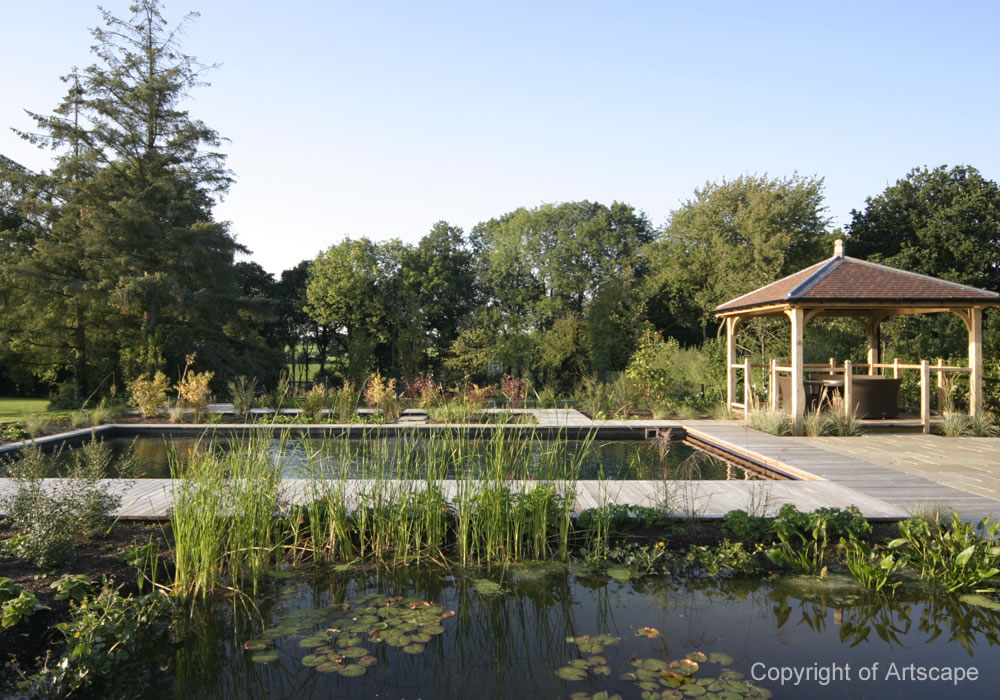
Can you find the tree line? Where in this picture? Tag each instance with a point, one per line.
(112, 264)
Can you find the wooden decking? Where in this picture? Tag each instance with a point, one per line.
(151, 499)
(843, 461)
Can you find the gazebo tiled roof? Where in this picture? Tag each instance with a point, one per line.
(846, 280)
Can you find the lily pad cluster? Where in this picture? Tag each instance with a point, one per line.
(352, 629)
(659, 679)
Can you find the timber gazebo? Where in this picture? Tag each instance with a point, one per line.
(848, 287)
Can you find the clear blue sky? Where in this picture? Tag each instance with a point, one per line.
(380, 118)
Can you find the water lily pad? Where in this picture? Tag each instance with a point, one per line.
(649, 685)
(698, 656)
(601, 670)
(352, 652)
(310, 642)
(413, 648)
(579, 663)
(619, 573)
(629, 677)
(353, 670)
(397, 640)
(671, 695)
(650, 632)
(754, 691)
(432, 629)
(571, 673)
(314, 659)
(730, 675)
(695, 691)
(368, 660)
(447, 613)
(328, 667)
(979, 600)
(256, 644)
(265, 657)
(654, 664)
(717, 657)
(484, 586)
(596, 660)
(685, 667)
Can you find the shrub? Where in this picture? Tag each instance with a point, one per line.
(423, 390)
(650, 366)
(315, 402)
(514, 389)
(345, 402)
(381, 394)
(51, 519)
(193, 390)
(242, 390)
(149, 395)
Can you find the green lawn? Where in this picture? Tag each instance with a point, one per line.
(15, 409)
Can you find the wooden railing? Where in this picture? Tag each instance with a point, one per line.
(847, 370)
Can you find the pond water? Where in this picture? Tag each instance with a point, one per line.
(332, 457)
(524, 632)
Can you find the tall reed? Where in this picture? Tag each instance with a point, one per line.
(223, 515)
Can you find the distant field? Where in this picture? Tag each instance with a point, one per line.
(14, 409)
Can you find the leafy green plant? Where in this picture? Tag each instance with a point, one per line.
(17, 609)
(953, 556)
(102, 632)
(145, 560)
(72, 586)
(8, 589)
(802, 539)
(870, 567)
(11, 432)
(744, 527)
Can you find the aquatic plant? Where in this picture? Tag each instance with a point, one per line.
(871, 567)
(223, 516)
(745, 527)
(953, 556)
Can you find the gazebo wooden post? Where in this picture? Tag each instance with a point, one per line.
(925, 395)
(976, 360)
(871, 330)
(848, 389)
(730, 361)
(798, 392)
(772, 384)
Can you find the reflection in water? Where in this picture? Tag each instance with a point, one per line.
(509, 644)
(334, 457)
